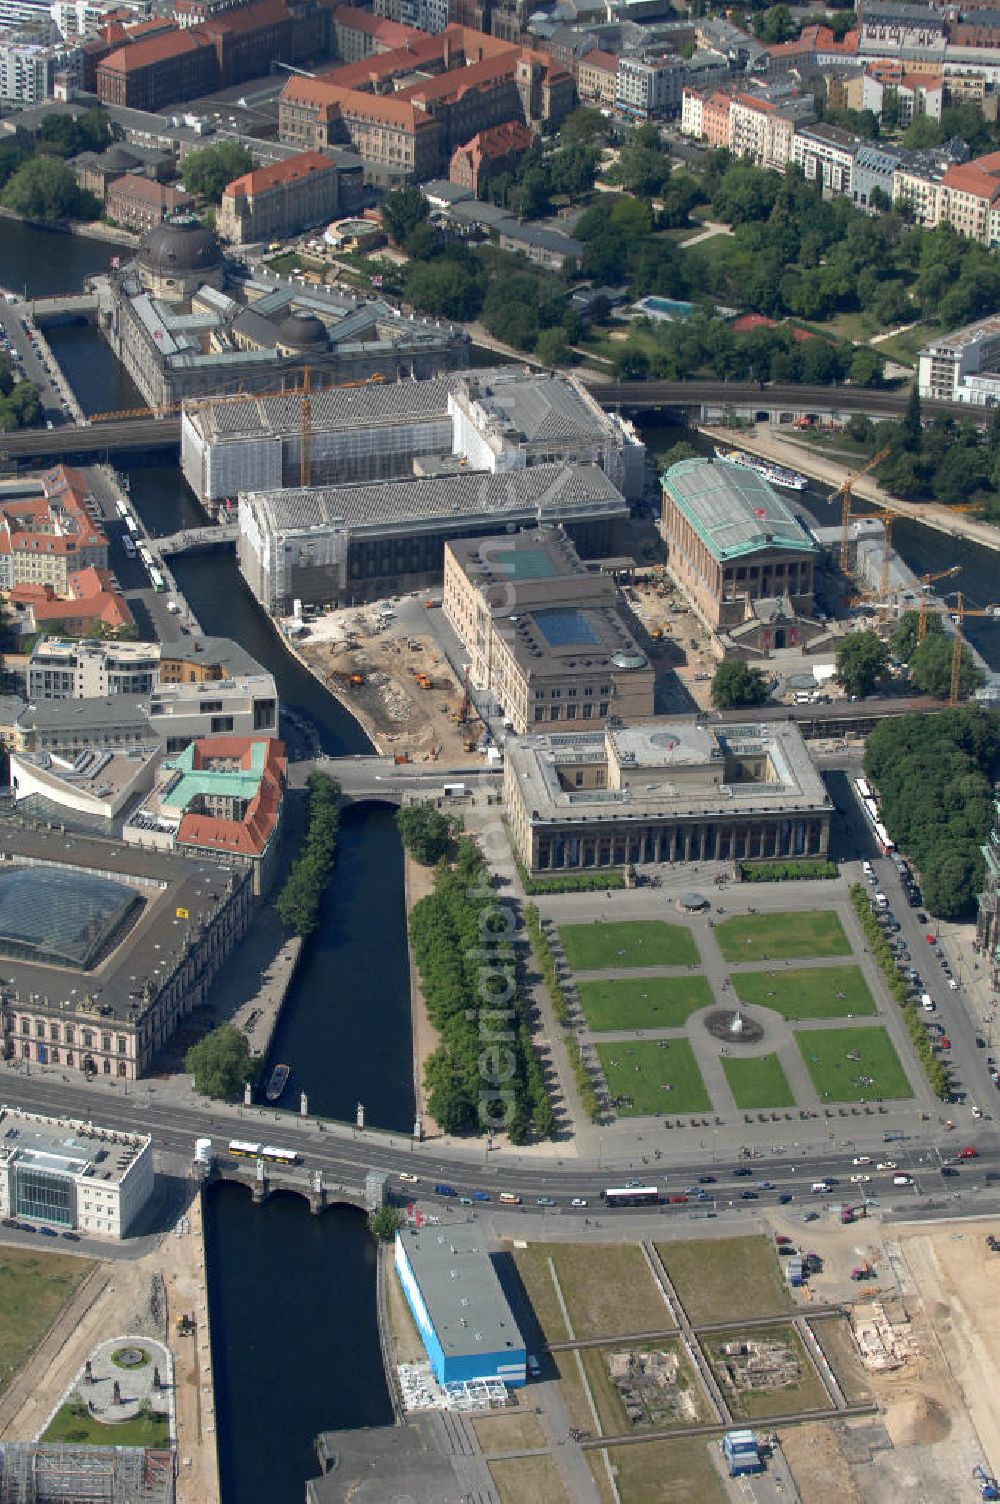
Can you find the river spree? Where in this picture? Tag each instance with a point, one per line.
(294, 1340)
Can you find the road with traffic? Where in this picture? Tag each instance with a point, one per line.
(345, 1154)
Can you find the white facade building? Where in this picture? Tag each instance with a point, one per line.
(692, 113)
(72, 1176)
(963, 366)
(28, 69)
(826, 155)
(648, 88)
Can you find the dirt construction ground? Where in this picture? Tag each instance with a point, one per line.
(138, 1297)
(937, 1416)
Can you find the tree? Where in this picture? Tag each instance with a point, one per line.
(444, 288)
(298, 903)
(776, 26)
(207, 172)
(44, 189)
(402, 211)
(735, 683)
(904, 638)
(385, 1222)
(862, 659)
(676, 453)
(425, 832)
(583, 125)
(220, 1064)
(551, 347)
(930, 667)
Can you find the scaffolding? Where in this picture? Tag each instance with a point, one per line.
(57, 1473)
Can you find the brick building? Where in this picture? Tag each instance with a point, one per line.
(140, 203)
(489, 153)
(273, 201)
(147, 74)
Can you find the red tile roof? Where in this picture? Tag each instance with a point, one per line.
(974, 178)
(392, 33)
(144, 54)
(606, 61)
(262, 178)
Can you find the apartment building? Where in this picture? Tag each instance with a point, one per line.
(914, 93)
(692, 113)
(358, 34)
(971, 199)
(963, 366)
(923, 192)
(649, 88)
(758, 130)
(715, 119)
(826, 155)
(596, 78)
(895, 29)
(280, 199)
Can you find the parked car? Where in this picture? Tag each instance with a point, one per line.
(480, 1195)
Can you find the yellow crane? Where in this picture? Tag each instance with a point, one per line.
(958, 641)
(926, 581)
(845, 510)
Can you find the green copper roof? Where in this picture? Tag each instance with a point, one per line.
(734, 511)
(194, 782)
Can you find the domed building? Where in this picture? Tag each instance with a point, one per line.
(177, 257)
(301, 331)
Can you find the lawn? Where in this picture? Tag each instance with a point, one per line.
(607, 1287)
(75, 1423)
(639, 942)
(651, 1077)
(905, 348)
(525, 1480)
(837, 1342)
(512, 1431)
(643, 1002)
(757, 1404)
(782, 936)
(664, 1472)
(758, 1081)
(813, 992)
(33, 1289)
(723, 1279)
(853, 1065)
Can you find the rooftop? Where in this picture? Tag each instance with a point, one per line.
(263, 178)
(62, 918)
(734, 511)
(180, 895)
(459, 1284)
(556, 491)
(63, 1146)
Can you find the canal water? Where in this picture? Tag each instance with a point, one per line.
(294, 1338)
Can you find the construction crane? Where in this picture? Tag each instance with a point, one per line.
(958, 616)
(305, 433)
(926, 581)
(845, 511)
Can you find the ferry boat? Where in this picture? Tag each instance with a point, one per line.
(776, 475)
(277, 1081)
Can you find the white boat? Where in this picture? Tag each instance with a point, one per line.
(776, 475)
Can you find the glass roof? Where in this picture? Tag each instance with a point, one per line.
(60, 918)
(566, 628)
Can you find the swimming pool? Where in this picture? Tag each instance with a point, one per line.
(664, 308)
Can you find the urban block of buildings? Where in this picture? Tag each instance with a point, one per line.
(405, 111)
(121, 695)
(47, 532)
(93, 604)
(181, 331)
(545, 634)
(347, 544)
(465, 1322)
(963, 366)
(73, 1176)
(663, 791)
(498, 421)
(743, 560)
(99, 971)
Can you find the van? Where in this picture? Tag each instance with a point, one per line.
(866, 868)
(802, 697)
(455, 791)
(881, 902)
(445, 1190)
(927, 1002)
(820, 1188)
(507, 1198)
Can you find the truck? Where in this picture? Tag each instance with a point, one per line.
(455, 790)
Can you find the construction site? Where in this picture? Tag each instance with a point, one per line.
(650, 1386)
(58, 1473)
(768, 1362)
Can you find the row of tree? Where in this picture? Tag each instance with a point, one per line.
(935, 776)
(425, 832)
(299, 900)
(484, 1073)
(902, 991)
(20, 405)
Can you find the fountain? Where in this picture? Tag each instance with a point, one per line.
(733, 1026)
